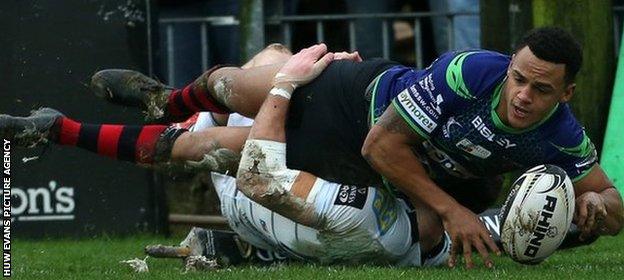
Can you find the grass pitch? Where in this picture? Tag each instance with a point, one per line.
(99, 258)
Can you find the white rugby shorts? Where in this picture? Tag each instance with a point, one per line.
(360, 225)
(205, 121)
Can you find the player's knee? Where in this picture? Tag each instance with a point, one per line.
(278, 48)
(272, 54)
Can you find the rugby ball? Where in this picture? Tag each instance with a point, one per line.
(537, 214)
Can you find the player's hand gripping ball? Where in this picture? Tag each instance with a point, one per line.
(537, 214)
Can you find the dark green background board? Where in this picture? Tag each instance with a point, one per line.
(49, 50)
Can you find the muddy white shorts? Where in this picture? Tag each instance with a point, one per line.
(359, 225)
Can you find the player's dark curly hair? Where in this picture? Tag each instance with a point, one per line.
(556, 45)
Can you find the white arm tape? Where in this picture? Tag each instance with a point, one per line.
(280, 92)
(283, 78)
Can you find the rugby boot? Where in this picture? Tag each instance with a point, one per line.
(226, 248)
(223, 246)
(209, 247)
(131, 88)
(30, 131)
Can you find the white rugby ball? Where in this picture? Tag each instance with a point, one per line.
(537, 214)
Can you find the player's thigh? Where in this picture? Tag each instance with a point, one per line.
(243, 90)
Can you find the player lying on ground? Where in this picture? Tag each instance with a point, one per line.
(470, 116)
(328, 222)
(313, 220)
(352, 223)
(467, 141)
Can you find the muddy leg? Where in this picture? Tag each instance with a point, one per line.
(272, 54)
(215, 149)
(240, 90)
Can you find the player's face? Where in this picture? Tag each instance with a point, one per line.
(532, 90)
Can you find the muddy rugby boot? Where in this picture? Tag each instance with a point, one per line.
(30, 131)
(210, 248)
(131, 88)
(223, 247)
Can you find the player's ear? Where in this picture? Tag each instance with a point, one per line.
(568, 92)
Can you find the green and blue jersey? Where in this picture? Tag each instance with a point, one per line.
(452, 105)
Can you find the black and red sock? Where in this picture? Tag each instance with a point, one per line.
(183, 103)
(134, 143)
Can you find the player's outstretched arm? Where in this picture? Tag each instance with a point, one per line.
(388, 150)
(262, 175)
(599, 209)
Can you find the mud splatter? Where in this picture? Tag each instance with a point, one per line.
(27, 159)
(199, 263)
(155, 105)
(526, 223)
(30, 137)
(254, 185)
(223, 89)
(222, 160)
(521, 227)
(264, 182)
(137, 264)
(129, 11)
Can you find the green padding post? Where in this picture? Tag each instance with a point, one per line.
(612, 158)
